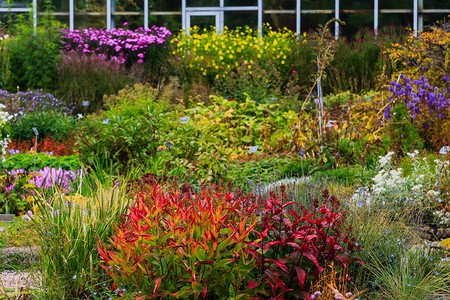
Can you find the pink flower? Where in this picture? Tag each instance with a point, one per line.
(140, 61)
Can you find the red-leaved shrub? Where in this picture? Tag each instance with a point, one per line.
(218, 245)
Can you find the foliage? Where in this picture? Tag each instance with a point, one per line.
(182, 246)
(391, 248)
(26, 162)
(134, 100)
(356, 64)
(427, 54)
(199, 245)
(223, 131)
(4, 119)
(48, 124)
(33, 55)
(292, 248)
(68, 229)
(118, 140)
(89, 78)
(18, 233)
(131, 131)
(416, 274)
(4, 60)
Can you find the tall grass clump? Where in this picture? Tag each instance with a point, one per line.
(397, 264)
(68, 230)
(89, 78)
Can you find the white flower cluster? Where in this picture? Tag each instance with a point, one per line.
(443, 216)
(388, 180)
(4, 118)
(421, 184)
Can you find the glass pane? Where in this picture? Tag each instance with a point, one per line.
(90, 14)
(318, 4)
(235, 19)
(203, 22)
(436, 4)
(130, 14)
(351, 4)
(199, 3)
(172, 22)
(167, 5)
(241, 2)
(354, 23)
(280, 4)
(431, 19)
(280, 21)
(15, 4)
(393, 20)
(311, 22)
(402, 4)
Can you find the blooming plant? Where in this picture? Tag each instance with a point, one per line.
(119, 45)
(428, 107)
(4, 139)
(49, 178)
(420, 184)
(213, 56)
(21, 103)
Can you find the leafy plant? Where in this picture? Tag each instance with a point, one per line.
(117, 140)
(291, 248)
(48, 124)
(33, 55)
(26, 162)
(182, 245)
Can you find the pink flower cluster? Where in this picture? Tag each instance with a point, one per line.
(119, 45)
(51, 177)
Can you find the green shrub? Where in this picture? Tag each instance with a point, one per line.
(26, 162)
(33, 56)
(48, 124)
(403, 136)
(130, 136)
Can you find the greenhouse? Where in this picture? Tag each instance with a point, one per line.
(296, 15)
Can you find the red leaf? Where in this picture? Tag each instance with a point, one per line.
(270, 244)
(204, 291)
(289, 203)
(311, 258)
(301, 275)
(295, 245)
(280, 263)
(252, 284)
(157, 282)
(205, 262)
